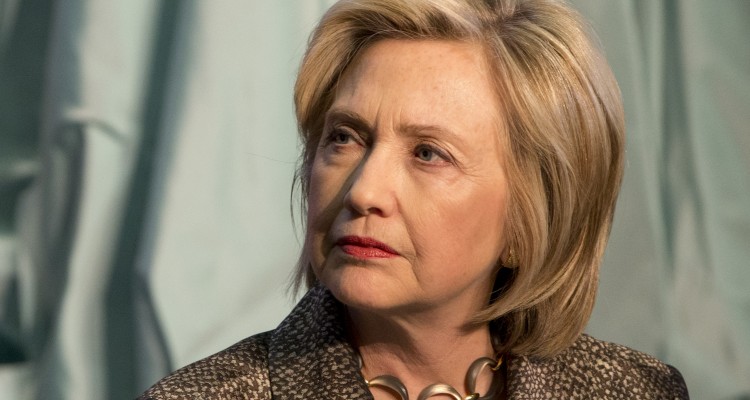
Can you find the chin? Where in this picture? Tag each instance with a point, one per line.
(360, 288)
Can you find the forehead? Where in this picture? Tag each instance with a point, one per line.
(434, 82)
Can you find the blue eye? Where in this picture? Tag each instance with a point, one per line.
(425, 153)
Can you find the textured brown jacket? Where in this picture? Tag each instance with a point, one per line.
(308, 357)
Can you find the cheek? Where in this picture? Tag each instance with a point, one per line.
(317, 196)
(322, 208)
(316, 201)
(469, 232)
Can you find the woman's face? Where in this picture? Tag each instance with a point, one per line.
(408, 193)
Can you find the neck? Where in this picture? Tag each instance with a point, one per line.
(420, 350)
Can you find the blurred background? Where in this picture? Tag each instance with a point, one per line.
(146, 156)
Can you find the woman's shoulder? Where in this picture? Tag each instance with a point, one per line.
(239, 369)
(606, 360)
(599, 369)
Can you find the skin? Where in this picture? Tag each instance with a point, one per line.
(412, 156)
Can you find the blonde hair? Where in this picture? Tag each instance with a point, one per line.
(565, 135)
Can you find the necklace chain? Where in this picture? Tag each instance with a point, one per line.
(397, 387)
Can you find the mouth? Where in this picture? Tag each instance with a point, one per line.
(364, 247)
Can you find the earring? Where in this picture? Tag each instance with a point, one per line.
(511, 261)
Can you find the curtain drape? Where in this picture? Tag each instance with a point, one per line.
(147, 150)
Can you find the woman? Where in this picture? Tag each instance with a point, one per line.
(461, 164)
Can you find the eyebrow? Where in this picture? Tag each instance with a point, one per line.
(431, 130)
(348, 116)
(412, 129)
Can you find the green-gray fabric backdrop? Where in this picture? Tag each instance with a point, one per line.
(146, 155)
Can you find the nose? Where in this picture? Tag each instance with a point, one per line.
(372, 186)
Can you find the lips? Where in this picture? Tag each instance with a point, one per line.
(364, 247)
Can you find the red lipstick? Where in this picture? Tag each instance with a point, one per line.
(364, 247)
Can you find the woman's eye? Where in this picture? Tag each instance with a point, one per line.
(340, 136)
(427, 154)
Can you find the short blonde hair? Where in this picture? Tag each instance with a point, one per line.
(565, 135)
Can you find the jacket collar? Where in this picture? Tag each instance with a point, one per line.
(309, 356)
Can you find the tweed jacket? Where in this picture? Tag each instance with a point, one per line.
(308, 357)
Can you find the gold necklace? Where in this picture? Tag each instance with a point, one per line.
(397, 387)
